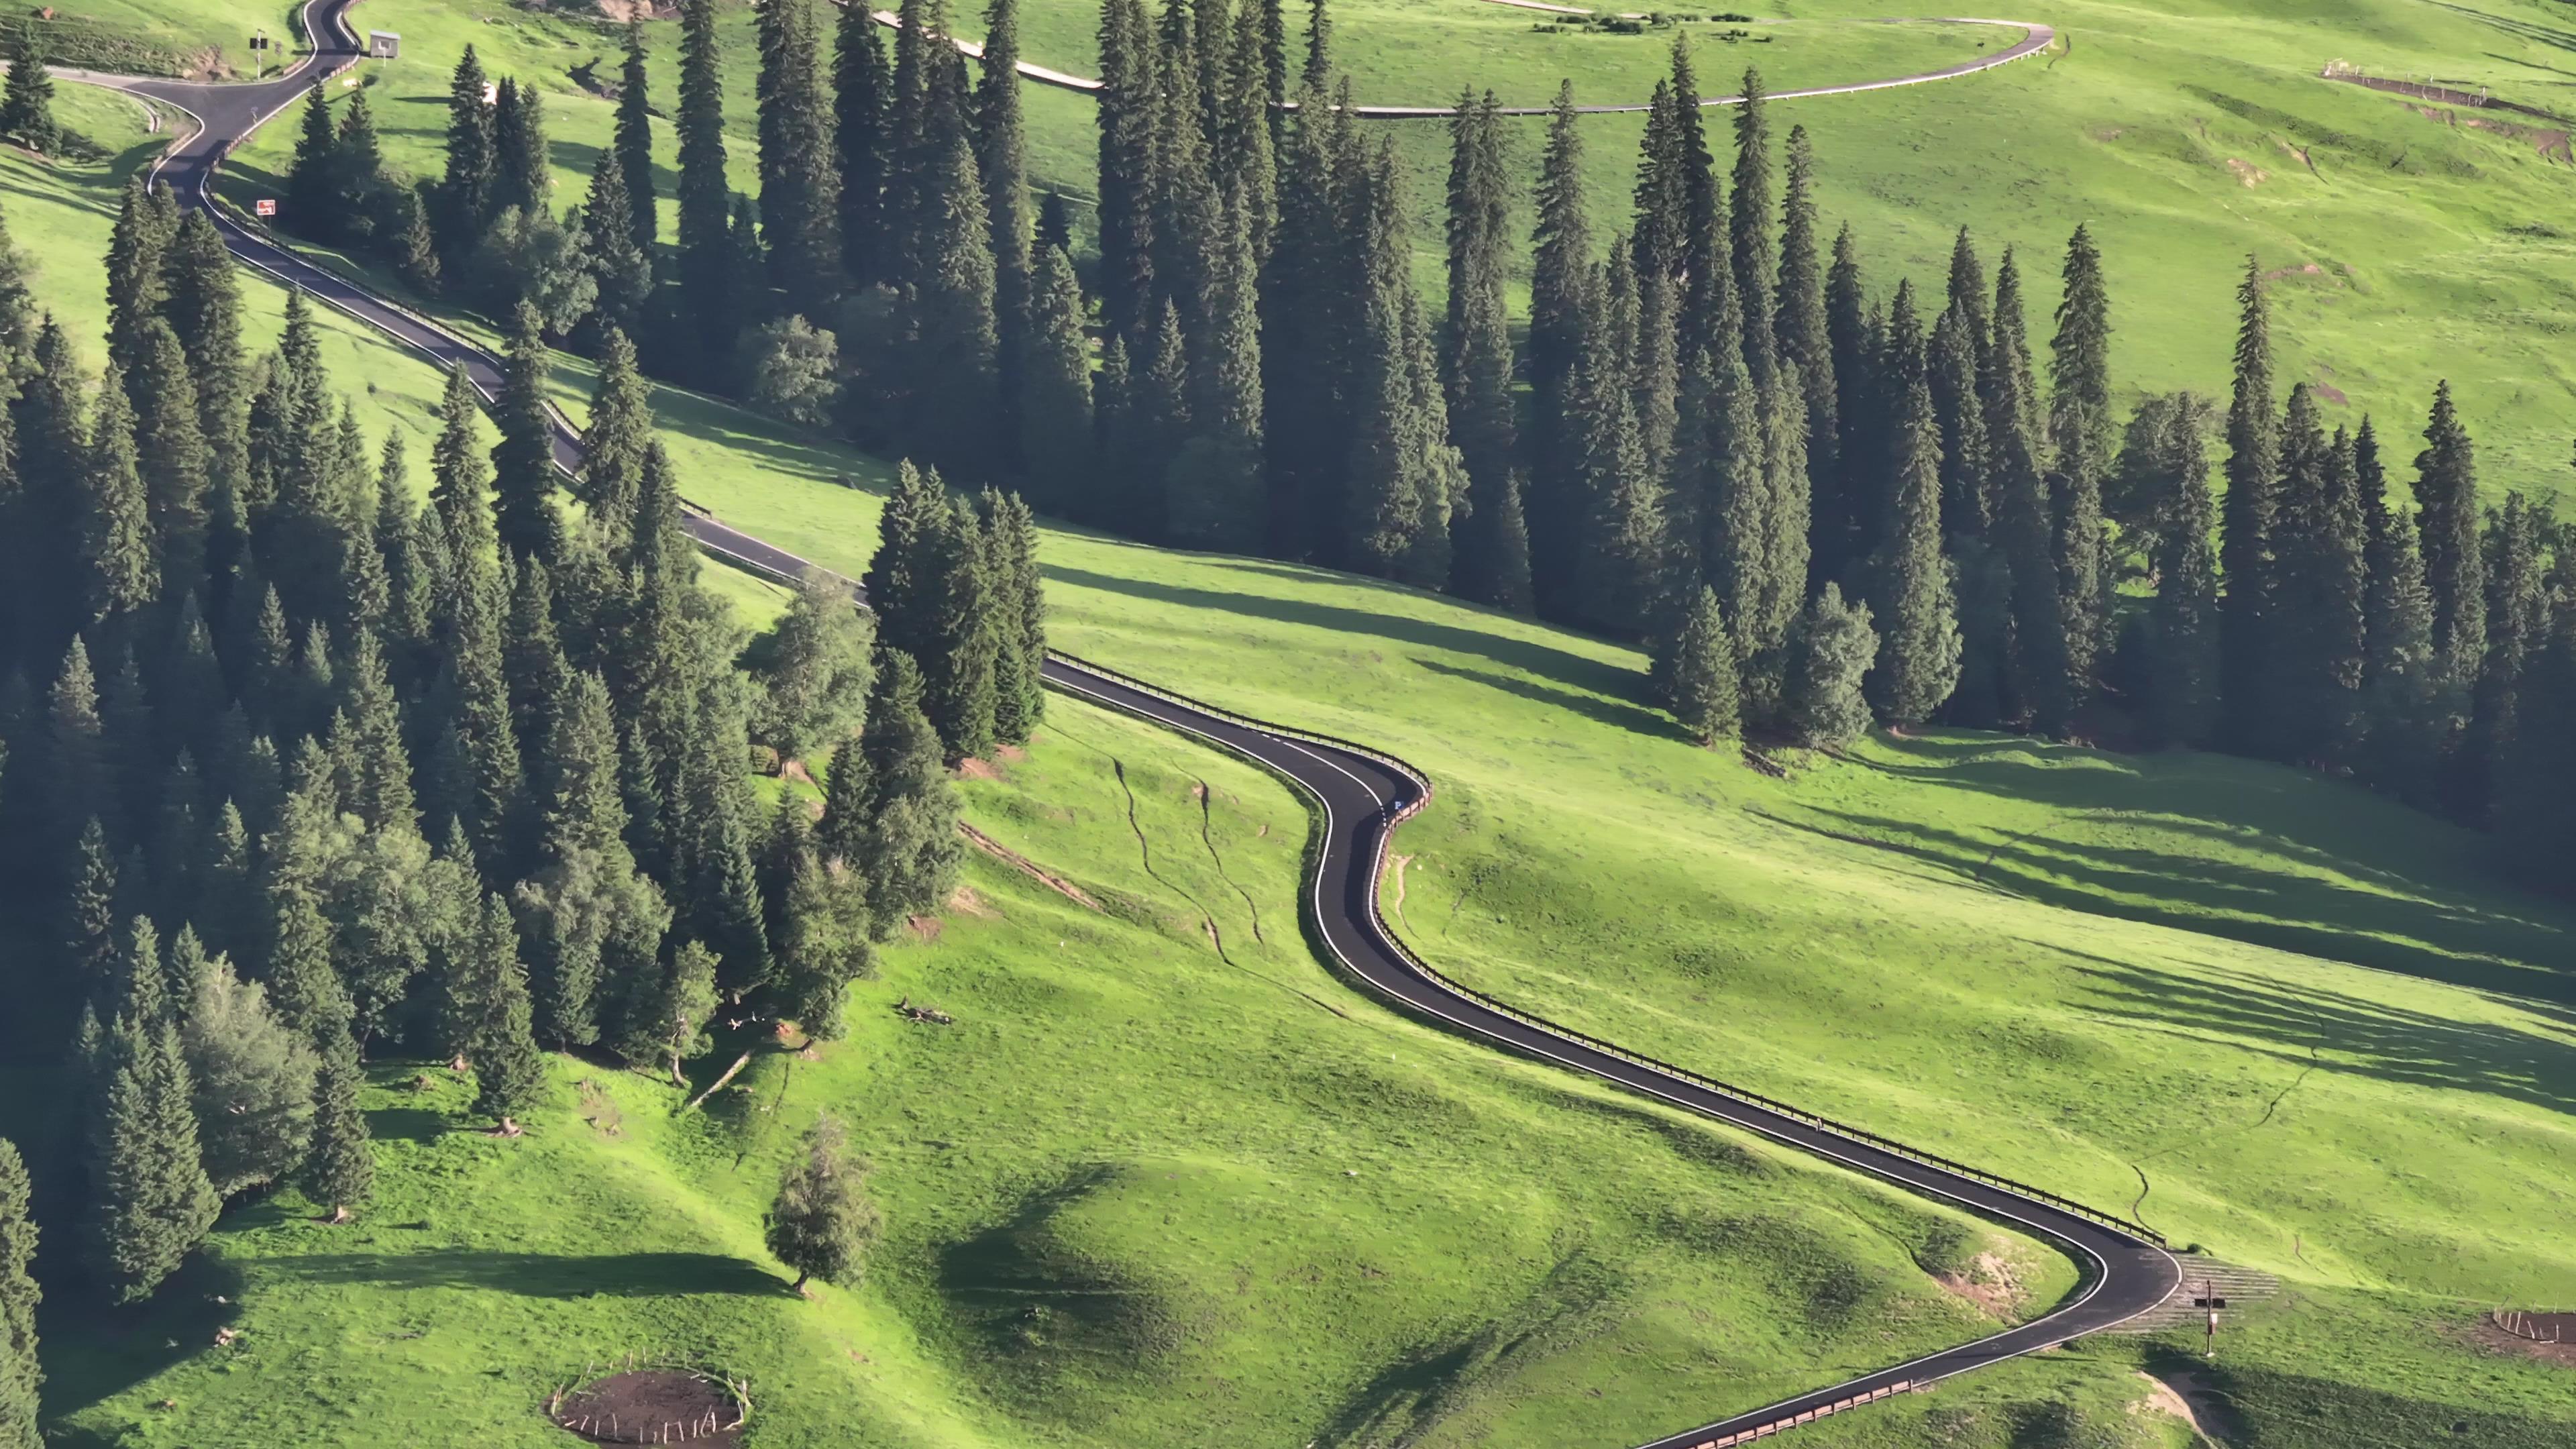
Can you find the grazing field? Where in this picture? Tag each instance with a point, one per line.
(1165, 1179)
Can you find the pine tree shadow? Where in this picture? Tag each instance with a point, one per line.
(539, 1275)
(1565, 668)
(1612, 712)
(2342, 1033)
(2411, 935)
(94, 1352)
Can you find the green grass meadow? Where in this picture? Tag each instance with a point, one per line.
(2266, 1013)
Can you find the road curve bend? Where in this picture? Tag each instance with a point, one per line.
(1360, 795)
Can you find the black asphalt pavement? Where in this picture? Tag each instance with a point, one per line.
(1361, 795)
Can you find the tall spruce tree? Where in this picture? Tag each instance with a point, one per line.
(1804, 329)
(2317, 545)
(1561, 305)
(2079, 446)
(1055, 414)
(2446, 492)
(2518, 607)
(138, 284)
(707, 287)
(170, 449)
(473, 166)
(621, 271)
(955, 335)
(492, 989)
(27, 107)
(1755, 257)
(911, 853)
(1127, 167)
(2400, 680)
(1697, 664)
(862, 138)
(523, 461)
(800, 205)
(2182, 689)
(1001, 163)
(21, 1374)
(614, 446)
(340, 1170)
(121, 568)
(1911, 591)
(2247, 650)
(2042, 682)
(153, 1203)
(204, 308)
(1837, 504)
(632, 139)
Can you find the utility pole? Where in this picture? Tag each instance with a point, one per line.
(259, 54)
(2210, 1300)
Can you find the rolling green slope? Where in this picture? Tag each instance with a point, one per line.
(1165, 1180)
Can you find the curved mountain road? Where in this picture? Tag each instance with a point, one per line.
(2035, 38)
(1361, 796)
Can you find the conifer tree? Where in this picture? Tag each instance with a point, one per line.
(897, 583)
(170, 446)
(153, 1203)
(621, 271)
(2518, 607)
(1698, 667)
(27, 106)
(1755, 257)
(841, 833)
(1476, 356)
(2042, 681)
(1308, 319)
(1622, 523)
(2182, 693)
(1560, 306)
(21, 1375)
(473, 167)
(252, 1076)
(1018, 595)
(1786, 504)
(1001, 163)
(76, 774)
(1950, 367)
(313, 198)
(614, 445)
(912, 852)
(2399, 678)
(954, 331)
(121, 568)
(633, 142)
(497, 1041)
(1918, 655)
(821, 1223)
(706, 288)
(800, 205)
(1055, 395)
(2446, 490)
(819, 929)
(862, 138)
(1801, 322)
(1837, 505)
(340, 1170)
(592, 923)
(521, 175)
(1829, 655)
(2247, 652)
(204, 308)
(2317, 543)
(669, 1023)
(523, 462)
(2079, 445)
(137, 281)
(89, 916)
(1403, 473)
(1127, 167)
(1213, 485)
(962, 633)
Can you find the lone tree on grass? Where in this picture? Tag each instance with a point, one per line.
(822, 1222)
(27, 107)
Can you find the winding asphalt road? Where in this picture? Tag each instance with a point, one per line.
(1362, 796)
(2035, 38)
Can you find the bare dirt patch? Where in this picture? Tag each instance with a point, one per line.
(2247, 172)
(651, 1406)
(964, 901)
(1989, 1282)
(923, 928)
(2548, 1337)
(1027, 867)
(971, 768)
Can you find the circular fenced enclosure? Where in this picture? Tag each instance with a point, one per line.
(653, 1406)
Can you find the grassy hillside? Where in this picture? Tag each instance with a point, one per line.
(1165, 1180)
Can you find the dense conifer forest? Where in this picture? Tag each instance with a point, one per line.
(304, 765)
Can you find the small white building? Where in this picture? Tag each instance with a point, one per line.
(383, 44)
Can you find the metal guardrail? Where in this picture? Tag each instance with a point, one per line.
(1799, 1115)
(1765, 1431)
